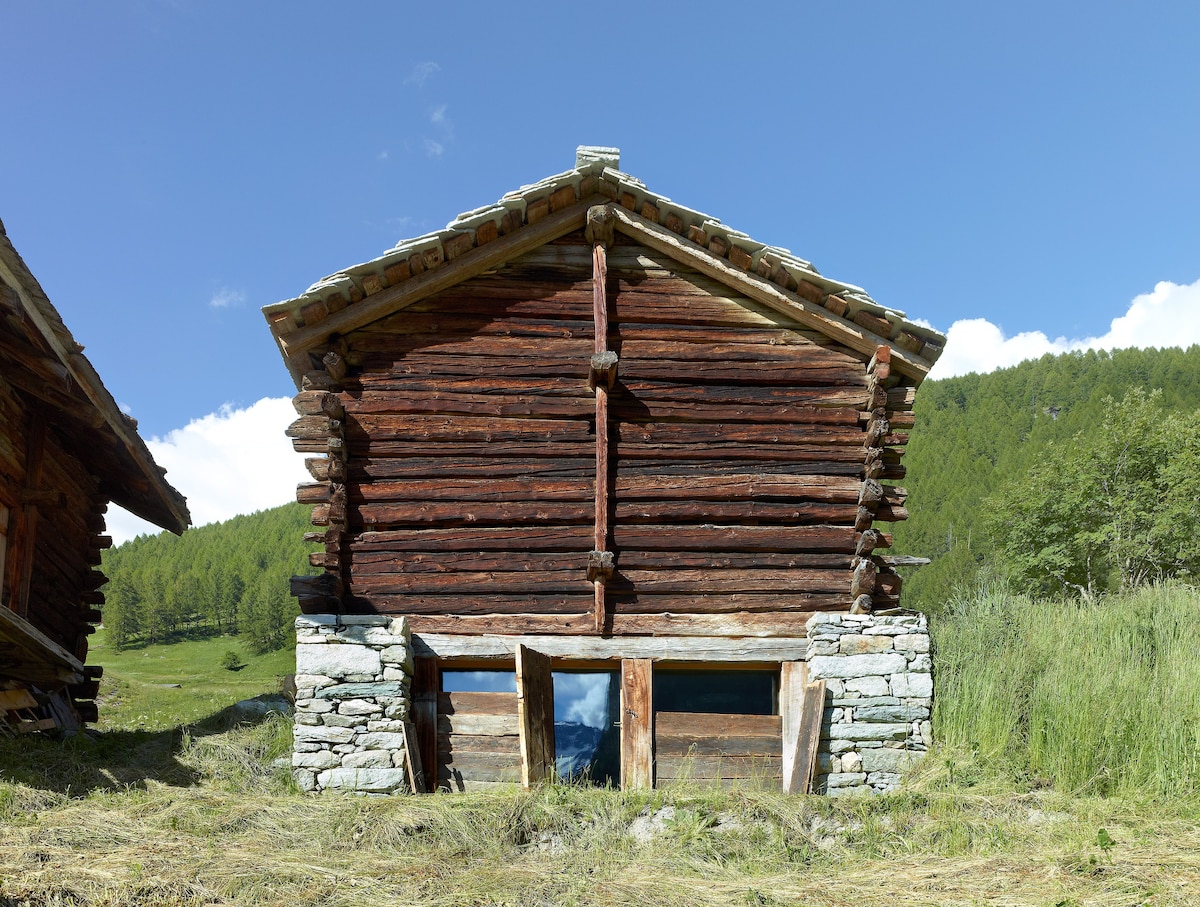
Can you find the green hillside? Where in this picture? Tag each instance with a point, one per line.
(976, 432)
(227, 578)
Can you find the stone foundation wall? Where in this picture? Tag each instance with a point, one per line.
(353, 677)
(353, 682)
(878, 696)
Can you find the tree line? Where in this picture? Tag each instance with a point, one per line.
(1069, 474)
(224, 578)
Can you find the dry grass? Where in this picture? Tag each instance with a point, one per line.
(226, 827)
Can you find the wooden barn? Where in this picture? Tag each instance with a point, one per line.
(66, 451)
(589, 432)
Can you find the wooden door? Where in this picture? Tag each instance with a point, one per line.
(535, 716)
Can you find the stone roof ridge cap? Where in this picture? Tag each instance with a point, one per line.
(591, 158)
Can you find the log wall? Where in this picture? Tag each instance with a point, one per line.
(53, 538)
(455, 476)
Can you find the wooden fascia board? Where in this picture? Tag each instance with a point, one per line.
(470, 264)
(24, 634)
(761, 290)
(170, 515)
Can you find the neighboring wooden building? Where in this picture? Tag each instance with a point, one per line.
(589, 429)
(66, 451)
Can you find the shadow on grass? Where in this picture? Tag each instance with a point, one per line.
(117, 760)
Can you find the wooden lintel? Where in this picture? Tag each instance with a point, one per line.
(762, 290)
(667, 649)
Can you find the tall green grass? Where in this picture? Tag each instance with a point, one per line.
(1101, 698)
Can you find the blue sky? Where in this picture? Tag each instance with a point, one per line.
(1021, 174)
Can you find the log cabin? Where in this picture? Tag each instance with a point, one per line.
(66, 451)
(590, 434)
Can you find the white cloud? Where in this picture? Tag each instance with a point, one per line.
(1168, 316)
(421, 73)
(382, 156)
(225, 297)
(229, 462)
(434, 149)
(437, 116)
(582, 698)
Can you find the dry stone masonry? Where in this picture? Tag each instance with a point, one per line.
(353, 677)
(879, 691)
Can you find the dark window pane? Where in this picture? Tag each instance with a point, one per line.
(725, 692)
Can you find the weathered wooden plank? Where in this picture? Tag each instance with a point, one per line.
(507, 744)
(515, 559)
(477, 702)
(644, 537)
(637, 724)
(426, 683)
(765, 769)
(804, 751)
(478, 725)
(793, 677)
(535, 715)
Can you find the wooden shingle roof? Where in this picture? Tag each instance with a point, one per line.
(487, 237)
(40, 358)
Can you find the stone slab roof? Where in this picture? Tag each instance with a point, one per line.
(300, 323)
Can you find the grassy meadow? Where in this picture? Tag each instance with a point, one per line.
(1065, 776)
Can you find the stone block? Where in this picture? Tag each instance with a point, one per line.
(844, 779)
(303, 734)
(315, 681)
(358, 707)
(398, 626)
(851, 761)
(867, 686)
(315, 706)
(397, 710)
(858, 644)
(399, 655)
(868, 730)
(382, 780)
(365, 620)
(916, 643)
(381, 741)
(372, 690)
(889, 760)
(822, 647)
(912, 686)
(375, 636)
(368, 759)
(896, 712)
(335, 720)
(920, 664)
(853, 666)
(336, 660)
(316, 621)
(305, 780)
(307, 718)
(317, 760)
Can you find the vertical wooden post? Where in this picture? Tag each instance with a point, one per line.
(599, 232)
(637, 724)
(35, 446)
(535, 716)
(426, 684)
